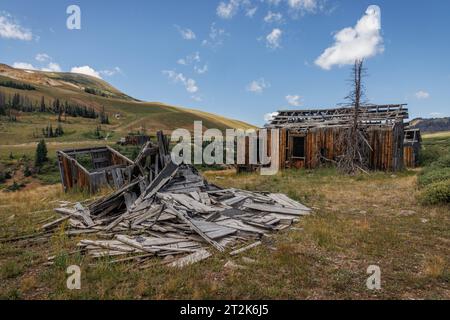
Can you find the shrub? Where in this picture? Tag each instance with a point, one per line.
(15, 187)
(4, 175)
(429, 155)
(433, 174)
(27, 172)
(442, 162)
(436, 193)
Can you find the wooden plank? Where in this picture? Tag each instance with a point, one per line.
(285, 201)
(253, 245)
(191, 259)
(275, 209)
(194, 227)
(55, 223)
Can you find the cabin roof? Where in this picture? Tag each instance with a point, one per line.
(368, 115)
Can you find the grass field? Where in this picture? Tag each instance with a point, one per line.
(357, 221)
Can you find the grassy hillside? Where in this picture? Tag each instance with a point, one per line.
(125, 113)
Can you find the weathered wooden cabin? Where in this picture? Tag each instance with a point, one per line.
(311, 138)
(411, 146)
(92, 168)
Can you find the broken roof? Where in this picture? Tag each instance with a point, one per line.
(368, 115)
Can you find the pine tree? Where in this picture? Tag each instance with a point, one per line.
(41, 153)
(27, 172)
(42, 108)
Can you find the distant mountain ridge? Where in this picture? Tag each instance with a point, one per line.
(431, 125)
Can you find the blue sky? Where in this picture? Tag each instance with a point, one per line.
(242, 58)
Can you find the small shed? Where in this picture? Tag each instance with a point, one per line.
(93, 168)
(411, 146)
(310, 138)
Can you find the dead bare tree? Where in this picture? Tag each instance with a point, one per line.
(354, 142)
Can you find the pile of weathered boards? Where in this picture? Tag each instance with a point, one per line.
(171, 211)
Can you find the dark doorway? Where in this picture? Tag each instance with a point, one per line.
(298, 147)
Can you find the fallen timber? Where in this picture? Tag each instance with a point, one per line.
(171, 211)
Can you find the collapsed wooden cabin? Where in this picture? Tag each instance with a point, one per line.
(311, 138)
(93, 168)
(412, 145)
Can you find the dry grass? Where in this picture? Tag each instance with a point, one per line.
(357, 221)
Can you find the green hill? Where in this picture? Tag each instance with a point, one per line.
(125, 113)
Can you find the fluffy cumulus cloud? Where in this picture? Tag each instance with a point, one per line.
(422, 94)
(23, 65)
(293, 100)
(52, 67)
(258, 86)
(186, 33)
(270, 116)
(362, 41)
(189, 84)
(273, 39)
(10, 29)
(87, 70)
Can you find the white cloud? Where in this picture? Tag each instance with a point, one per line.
(23, 65)
(190, 59)
(258, 86)
(196, 98)
(201, 70)
(436, 114)
(111, 72)
(362, 41)
(11, 29)
(216, 37)
(303, 5)
(87, 71)
(52, 67)
(186, 34)
(422, 94)
(227, 10)
(250, 12)
(42, 57)
(189, 84)
(273, 39)
(273, 2)
(270, 116)
(273, 17)
(293, 100)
